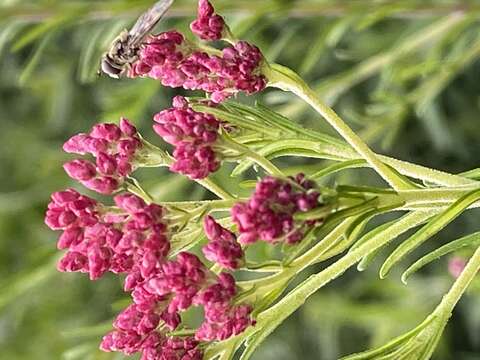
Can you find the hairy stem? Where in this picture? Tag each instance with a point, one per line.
(285, 79)
(266, 164)
(160, 158)
(460, 286)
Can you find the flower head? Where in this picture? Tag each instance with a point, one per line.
(176, 63)
(193, 134)
(269, 214)
(160, 58)
(172, 348)
(223, 319)
(171, 288)
(233, 320)
(153, 346)
(208, 25)
(114, 148)
(101, 239)
(222, 247)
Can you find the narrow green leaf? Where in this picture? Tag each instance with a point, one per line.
(281, 43)
(8, 32)
(391, 345)
(472, 174)
(293, 253)
(88, 55)
(367, 260)
(372, 233)
(306, 148)
(258, 337)
(247, 184)
(27, 281)
(433, 227)
(378, 14)
(469, 240)
(278, 120)
(80, 351)
(332, 169)
(358, 226)
(365, 189)
(269, 299)
(88, 331)
(240, 121)
(32, 63)
(341, 214)
(339, 30)
(39, 30)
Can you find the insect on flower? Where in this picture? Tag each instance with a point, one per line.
(124, 48)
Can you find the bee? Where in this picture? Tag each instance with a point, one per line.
(124, 49)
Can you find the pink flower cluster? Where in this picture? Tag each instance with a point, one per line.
(222, 247)
(269, 214)
(168, 58)
(193, 134)
(114, 148)
(175, 286)
(160, 57)
(132, 238)
(208, 25)
(99, 239)
(152, 344)
(222, 318)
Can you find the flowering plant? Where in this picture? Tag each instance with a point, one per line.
(174, 257)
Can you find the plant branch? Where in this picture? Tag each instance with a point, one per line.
(285, 79)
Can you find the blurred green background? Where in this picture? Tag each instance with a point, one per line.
(405, 74)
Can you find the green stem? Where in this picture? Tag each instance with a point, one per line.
(268, 283)
(460, 286)
(268, 320)
(427, 201)
(318, 280)
(212, 205)
(430, 198)
(426, 174)
(135, 188)
(426, 198)
(160, 158)
(285, 79)
(216, 189)
(343, 153)
(252, 155)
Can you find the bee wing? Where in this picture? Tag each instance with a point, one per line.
(147, 21)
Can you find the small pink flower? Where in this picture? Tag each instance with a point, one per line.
(456, 265)
(193, 134)
(170, 59)
(114, 147)
(208, 25)
(222, 247)
(269, 214)
(133, 236)
(126, 342)
(173, 287)
(80, 170)
(221, 291)
(70, 210)
(171, 348)
(234, 320)
(136, 331)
